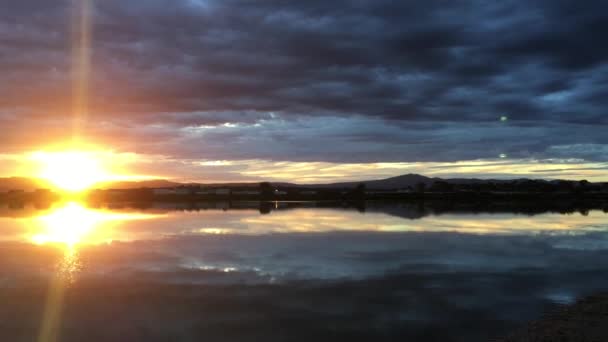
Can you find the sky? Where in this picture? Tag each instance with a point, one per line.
(309, 91)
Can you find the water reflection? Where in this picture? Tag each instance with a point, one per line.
(301, 240)
(416, 269)
(72, 223)
(68, 225)
(70, 265)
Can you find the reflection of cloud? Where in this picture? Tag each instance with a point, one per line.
(443, 273)
(311, 242)
(324, 220)
(457, 285)
(71, 223)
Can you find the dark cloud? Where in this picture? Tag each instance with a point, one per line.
(400, 81)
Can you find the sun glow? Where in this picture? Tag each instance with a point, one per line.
(71, 171)
(72, 224)
(67, 225)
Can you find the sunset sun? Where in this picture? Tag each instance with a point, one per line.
(71, 171)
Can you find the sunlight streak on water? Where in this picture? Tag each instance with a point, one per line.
(69, 226)
(70, 265)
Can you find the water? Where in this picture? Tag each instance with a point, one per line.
(289, 271)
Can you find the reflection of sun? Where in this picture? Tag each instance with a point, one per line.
(70, 171)
(67, 225)
(74, 224)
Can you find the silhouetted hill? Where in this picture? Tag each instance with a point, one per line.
(411, 180)
(383, 184)
(154, 183)
(398, 182)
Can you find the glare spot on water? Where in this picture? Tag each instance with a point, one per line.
(560, 298)
(212, 231)
(70, 266)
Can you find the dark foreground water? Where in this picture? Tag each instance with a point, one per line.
(289, 272)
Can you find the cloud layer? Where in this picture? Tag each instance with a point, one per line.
(314, 81)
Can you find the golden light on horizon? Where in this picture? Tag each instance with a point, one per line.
(71, 171)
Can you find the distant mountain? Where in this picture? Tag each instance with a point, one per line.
(154, 183)
(398, 182)
(411, 180)
(382, 184)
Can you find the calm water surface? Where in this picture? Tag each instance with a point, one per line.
(242, 271)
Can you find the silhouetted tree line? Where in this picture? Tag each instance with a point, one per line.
(265, 191)
(527, 185)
